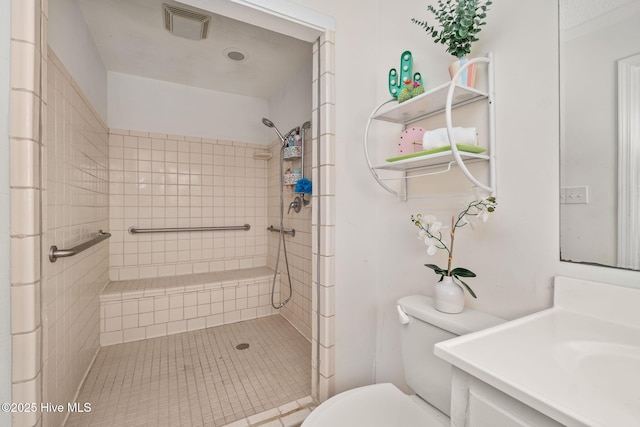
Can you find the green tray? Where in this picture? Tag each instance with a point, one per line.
(461, 147)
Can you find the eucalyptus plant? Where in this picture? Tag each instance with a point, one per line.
(460, 22)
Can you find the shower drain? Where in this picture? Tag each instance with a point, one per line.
(242, 346)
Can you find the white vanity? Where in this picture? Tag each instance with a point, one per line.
(575, 364)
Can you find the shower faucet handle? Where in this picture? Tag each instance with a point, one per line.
(296, 205)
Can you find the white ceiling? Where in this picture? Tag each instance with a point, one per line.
(131, 39)
(576, 12)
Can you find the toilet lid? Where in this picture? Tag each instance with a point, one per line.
(375, 405)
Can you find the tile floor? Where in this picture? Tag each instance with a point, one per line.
(199, 378)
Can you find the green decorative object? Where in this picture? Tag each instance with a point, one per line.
(397, 80)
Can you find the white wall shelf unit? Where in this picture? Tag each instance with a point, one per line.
(442, 99)
(432, 160)
(432, 102)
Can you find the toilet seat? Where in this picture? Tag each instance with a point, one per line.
(377, 405)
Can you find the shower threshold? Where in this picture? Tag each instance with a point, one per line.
(200, 378)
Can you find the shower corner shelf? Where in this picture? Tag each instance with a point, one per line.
(291, 178)
(292, 153)
(439, 100)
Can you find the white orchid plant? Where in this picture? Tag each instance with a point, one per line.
(431, 232)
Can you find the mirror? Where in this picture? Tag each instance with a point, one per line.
(600, 132)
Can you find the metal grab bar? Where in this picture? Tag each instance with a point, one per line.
(277, 230)
(55, 253)
(134, 230)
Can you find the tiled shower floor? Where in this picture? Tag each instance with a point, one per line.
(197, 378)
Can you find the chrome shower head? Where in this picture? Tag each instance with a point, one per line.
(306, 125)
(270, 124)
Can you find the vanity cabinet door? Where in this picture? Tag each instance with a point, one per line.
(477, 404)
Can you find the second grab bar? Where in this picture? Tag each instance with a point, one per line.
(136, 230)
(292, 232)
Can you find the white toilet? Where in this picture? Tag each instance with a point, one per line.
(384, 405)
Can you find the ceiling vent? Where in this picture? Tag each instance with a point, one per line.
(185, 23)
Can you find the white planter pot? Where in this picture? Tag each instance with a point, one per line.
(448, 296)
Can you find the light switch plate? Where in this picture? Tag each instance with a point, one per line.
(574, 195)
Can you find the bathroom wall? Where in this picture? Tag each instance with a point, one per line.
(378, 258)
(69, 35)
(159, 180)
(142, 104)
(76, 207)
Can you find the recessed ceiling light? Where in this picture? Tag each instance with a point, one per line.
(235, 54)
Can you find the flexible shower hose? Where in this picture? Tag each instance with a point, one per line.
(281, 243)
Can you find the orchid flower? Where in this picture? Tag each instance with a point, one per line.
(430, 232)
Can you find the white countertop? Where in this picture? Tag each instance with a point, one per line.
(578, 362)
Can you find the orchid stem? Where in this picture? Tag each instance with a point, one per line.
(453, 233)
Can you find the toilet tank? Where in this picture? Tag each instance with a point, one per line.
(426, 374)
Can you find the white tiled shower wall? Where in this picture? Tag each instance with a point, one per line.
(159, 180)
(298, 310)
(75, 202)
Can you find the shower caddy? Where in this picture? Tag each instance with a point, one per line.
(441, 99)
(290, 154)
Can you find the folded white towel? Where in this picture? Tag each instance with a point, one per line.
(438, 137)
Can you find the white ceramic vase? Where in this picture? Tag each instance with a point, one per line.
(448, 296)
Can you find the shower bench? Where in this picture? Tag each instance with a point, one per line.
(132, 310)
